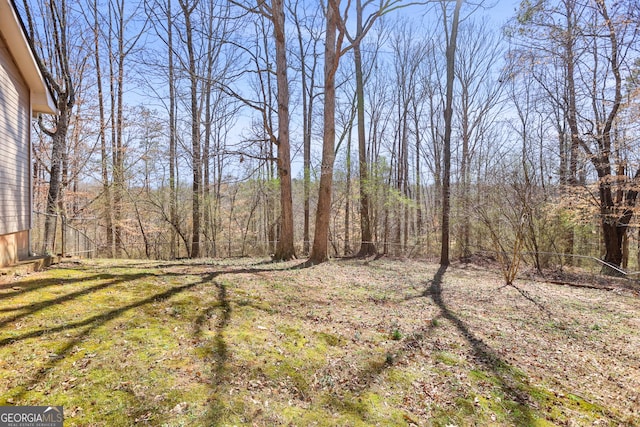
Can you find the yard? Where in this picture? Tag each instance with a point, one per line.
(350, 342)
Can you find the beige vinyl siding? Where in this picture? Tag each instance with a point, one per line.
(15, 181)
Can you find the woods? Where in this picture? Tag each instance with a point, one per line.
(196, 128)
(344, 212)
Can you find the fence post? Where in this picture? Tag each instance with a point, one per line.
(63, 235)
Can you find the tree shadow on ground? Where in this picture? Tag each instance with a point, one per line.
(30, 309)
(509, 381)
(304, 264)
(76, 332)
(378, 364)
(24, 286)
(219, 353)
(97, 319)
(85, 328)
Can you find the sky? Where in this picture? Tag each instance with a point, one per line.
(497, 11)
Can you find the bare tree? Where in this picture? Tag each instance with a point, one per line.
(276, 14)
(333, 45)
(591, 42)
(96, 20)
(479, 104)
(120, 45)
(367, 246)
(188, 9)
(408, 57)
(451, 35)
(336, 31)
(54, 50)
(173, 197)
(309, 37)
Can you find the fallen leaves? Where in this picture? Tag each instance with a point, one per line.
(337, 344)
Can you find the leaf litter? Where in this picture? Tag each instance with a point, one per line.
(350, 342)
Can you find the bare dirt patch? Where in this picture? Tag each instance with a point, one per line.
(377, 342)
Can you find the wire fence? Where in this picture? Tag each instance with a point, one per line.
(591, 264)
(75, 240)
(69, 240)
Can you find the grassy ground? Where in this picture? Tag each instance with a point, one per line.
(382, 342)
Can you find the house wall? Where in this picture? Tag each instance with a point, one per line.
(14, 247)
(15, 160)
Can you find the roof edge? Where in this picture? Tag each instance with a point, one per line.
(21, 48)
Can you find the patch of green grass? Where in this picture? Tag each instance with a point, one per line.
(396, 335)
(330, 339)
(294, 360)
(292, 338)
(107, 348)
(447, 358)
(257, 305)
(364, 409)
(317, 416)
(398, 378)
(556, 408)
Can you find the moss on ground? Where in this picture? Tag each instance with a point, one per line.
(206, 343)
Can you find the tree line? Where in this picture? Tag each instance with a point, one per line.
(192, 128)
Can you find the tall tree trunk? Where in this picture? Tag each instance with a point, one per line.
(347, 203)
(448, 116)
(367, 246)
(116, 131)
(319, 251)
(196, 155)
(333, 52)
(206, 178)
(120, 185)
(57, 152)
(419, 219)
(613, 231)
(307, 77)
(464, 176)
(403, 173)
(284, 249)
(173, 195)
(106, 187)
(63, 88)
(571, 93)
(307, 188)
